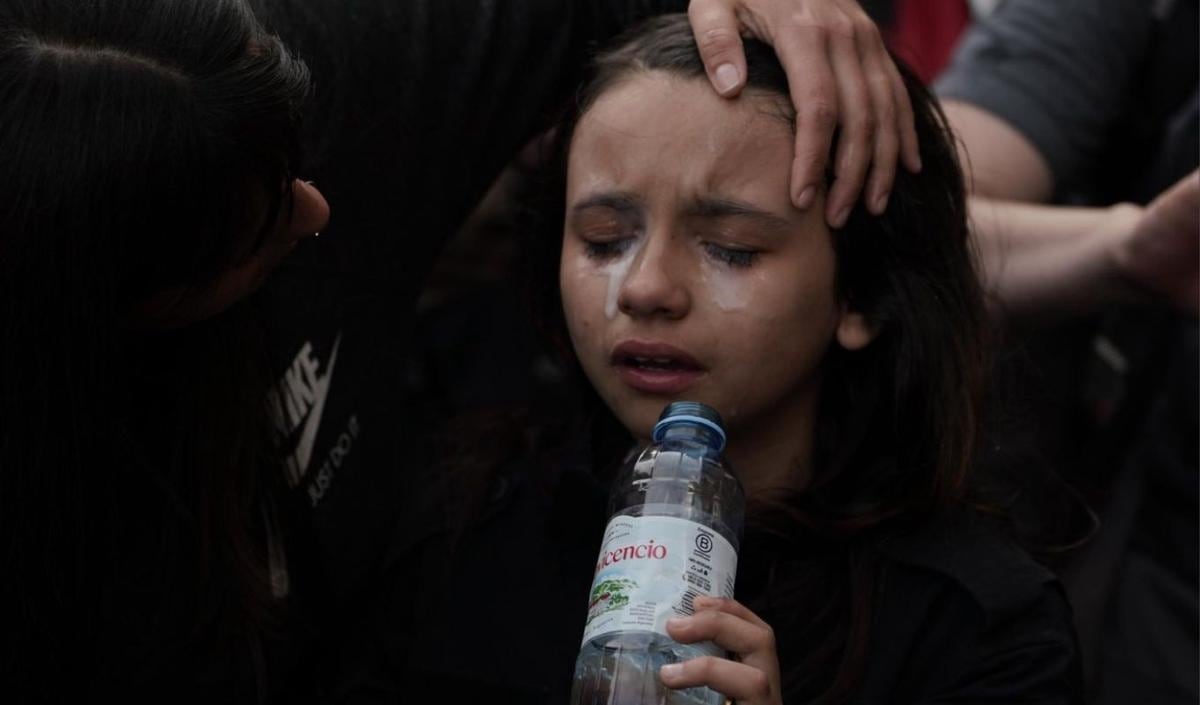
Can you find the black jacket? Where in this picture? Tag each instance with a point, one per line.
(961, 615)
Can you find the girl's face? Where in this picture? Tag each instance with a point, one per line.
(686, 272)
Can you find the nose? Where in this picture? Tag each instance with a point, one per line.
(656, 283)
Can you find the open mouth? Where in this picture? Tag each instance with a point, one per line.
(655, 368)
(661, 364)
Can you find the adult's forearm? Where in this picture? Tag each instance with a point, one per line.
(1050, 261)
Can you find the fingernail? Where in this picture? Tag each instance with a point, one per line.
(806, 197)
(677, 622)
(671, 670)
(840, 219)
(727, 77)
(881, 202)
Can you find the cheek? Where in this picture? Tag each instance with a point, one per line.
(581, 286)
(776, 324)
(589, 287)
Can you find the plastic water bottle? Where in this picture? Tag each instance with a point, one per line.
(676, 520)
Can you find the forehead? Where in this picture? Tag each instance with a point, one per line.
(680, 127)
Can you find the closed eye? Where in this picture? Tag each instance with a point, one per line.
(730, 256)
(607, 249)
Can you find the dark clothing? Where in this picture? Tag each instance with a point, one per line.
(419, 105)
(1107, 91)
(1098, 87)
(961, 615)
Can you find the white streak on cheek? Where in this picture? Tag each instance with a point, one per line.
(728, 289)
(617, 272)
(616, 279)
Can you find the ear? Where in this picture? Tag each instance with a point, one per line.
(854, 331)
(310, 212)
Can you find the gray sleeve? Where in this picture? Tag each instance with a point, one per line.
(1059, 71)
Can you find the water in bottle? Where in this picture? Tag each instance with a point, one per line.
(676, 520)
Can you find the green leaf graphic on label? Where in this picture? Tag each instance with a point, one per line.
(608, 595)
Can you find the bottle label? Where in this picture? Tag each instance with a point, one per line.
(651, 568)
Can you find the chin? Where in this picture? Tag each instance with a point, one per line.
(639, 414)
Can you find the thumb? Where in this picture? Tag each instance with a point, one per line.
(715, 26)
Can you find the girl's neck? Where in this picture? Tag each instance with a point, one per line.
(775, 452)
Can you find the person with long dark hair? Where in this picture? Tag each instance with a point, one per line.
(192, 505)
(151, 154)
(849, 365)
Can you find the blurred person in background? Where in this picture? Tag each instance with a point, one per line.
(1089, 107)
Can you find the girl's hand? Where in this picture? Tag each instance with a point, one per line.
(752, 678)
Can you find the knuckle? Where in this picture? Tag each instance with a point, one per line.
(884, 161)
(705, 667)
(865, 125)
(768, 638)
(716, 39)
(804, 23)
(888, 114)
(881, 84)
(703, 620)
(866, 30)
(842, 27)
(821, 112)
(707, 14)
(760, 685)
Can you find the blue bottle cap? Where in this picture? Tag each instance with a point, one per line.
(692, 413)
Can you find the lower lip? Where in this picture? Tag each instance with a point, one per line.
(653, 381)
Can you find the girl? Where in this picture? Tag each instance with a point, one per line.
(848, 366)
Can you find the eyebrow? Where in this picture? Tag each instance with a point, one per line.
(712, 207)
(627, 203)
(620, 201)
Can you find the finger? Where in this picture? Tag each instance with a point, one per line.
(802, 51)
(910, 146)
(887, 138)
(857, 139)
(728, 631)
(729, 605)
(716, 28)
(747, 684)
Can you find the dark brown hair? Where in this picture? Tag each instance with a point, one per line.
(897, 420)
(142, 141)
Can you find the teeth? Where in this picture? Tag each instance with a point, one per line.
(659, 361)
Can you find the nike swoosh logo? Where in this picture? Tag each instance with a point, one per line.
(312, 424)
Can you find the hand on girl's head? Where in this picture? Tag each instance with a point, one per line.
(841, 76)
(751, 676)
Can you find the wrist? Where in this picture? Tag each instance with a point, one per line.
(1117, 235)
